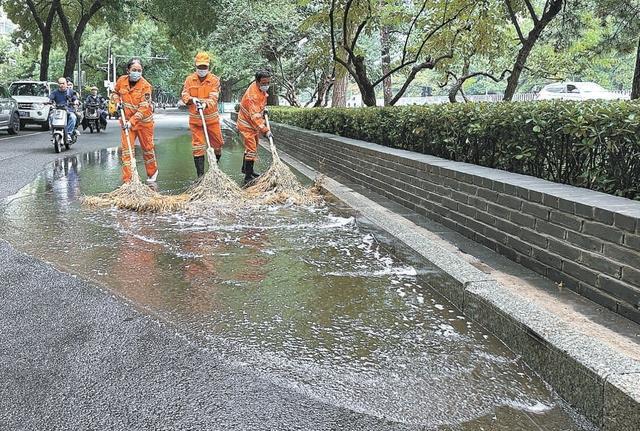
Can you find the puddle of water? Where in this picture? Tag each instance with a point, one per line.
(303, 296)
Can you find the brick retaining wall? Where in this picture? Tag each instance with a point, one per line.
(586, 240)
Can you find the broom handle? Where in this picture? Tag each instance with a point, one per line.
(206, 134)
(126, 132)
(272, 146)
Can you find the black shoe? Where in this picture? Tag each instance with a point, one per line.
(199, 162)
(218, 157)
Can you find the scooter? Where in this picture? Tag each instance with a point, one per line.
(59, 129)
(92, 117)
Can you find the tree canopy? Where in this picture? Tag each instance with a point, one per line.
(382, 49)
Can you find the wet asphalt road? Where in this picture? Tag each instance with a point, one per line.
(74, 357)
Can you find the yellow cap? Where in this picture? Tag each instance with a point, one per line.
(202, 58)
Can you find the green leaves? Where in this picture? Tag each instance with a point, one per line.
(587, 144)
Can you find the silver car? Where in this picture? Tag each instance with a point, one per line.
(9, 116)
(33, 99)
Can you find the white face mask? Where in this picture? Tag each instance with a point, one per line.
(202, 72)
(135, 76)
(264, 88)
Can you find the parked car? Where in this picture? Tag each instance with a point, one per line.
(576, 91)
(9, 117)
(31, 97)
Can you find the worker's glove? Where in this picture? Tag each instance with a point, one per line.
(265, 113)
(269, 135)
(126, 125)
(200, 105)
(195, 101)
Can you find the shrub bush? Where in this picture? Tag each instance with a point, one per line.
(587, 144)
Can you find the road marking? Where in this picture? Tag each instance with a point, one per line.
(21, 136)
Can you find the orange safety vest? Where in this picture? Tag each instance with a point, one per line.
(207, 91)
(136, 100)
(251, 109)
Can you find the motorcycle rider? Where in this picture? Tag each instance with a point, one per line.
(62, 98)
(95, 99)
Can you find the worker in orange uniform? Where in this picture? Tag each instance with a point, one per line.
(202, 89)
(251, 123)
(134, 93)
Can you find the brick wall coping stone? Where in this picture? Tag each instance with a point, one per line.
(522, 185)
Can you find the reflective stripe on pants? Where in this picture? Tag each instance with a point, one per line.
(199, 141)
(144, 134)
(250, 139)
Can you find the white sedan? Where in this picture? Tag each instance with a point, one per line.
(577, 91)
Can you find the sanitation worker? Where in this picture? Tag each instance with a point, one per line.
(201, 91)
(134, 93)
(251, 123)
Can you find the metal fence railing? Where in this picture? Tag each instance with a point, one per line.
(356, 101)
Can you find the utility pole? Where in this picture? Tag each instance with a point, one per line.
(109, 62)
(79, 83)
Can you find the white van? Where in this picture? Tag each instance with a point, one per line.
(32, 97)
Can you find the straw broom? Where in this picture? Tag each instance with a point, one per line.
(278, 184)
(134, 195)
(214, 186)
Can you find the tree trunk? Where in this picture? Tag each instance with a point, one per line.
(366, 89)
(386, 65)
(74, 37)
(368, 95)
(635, 89)
(44, 56)
(291, 97)
(453, 92)
(273, 99)
(71, 60)
(226, 90)
(555, 6)
(324, 84)
(518, 67)
(45, 30)
(457, 86)
(340, 86)
(325, 103)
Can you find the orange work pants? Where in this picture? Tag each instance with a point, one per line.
(250, 138)
(199, 141)
(143, 132)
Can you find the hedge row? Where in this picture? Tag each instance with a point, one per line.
(587, 144)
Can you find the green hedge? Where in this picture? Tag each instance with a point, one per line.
(588, 144)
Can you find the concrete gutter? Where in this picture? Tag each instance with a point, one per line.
(599, 379)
